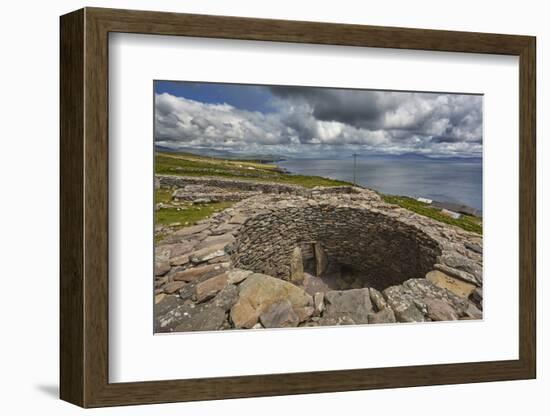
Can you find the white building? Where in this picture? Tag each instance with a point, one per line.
(425, 200)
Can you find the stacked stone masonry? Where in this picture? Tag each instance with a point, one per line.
(287, 256)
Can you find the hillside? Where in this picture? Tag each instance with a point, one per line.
(187, 164)
(176, 214)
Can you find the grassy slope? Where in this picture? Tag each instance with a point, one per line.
(466, 222)
(186, 164)
(192, 165)
(189, 214)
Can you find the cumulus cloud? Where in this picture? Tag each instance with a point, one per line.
(319, 119)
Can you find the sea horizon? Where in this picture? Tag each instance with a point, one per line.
(456, 180)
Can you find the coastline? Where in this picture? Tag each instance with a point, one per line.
(396, 177)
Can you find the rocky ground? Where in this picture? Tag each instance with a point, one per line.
(287, 256)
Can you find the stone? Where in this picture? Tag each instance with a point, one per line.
(409, 314)
(204, 317)
(258, 292)
(179, 249)
(321, 260)
(162, 268)
(460, 262)
(161, 281)
(477, 298)
(216, 239)
(236, 276)
(296, 265)
(357, 284)
(319, 302)
(221, 259)
(304, 313)
(335, 321)
(377, 299)
(173, 287)
(180, 260)
(187, 292)
(476, 248)
(162, 253)
(224, 228)
(419, 289)
(402, 304)
(199, 273)
(459, 274)
(243, 315)
(279, 315)
(472, 312)
(439, 310)
(166, 304)
(237, 219)
(209, 288)
(207, 253)
(172, 315)
(383, 316)
(187, 231)
(227, 297)
(313, 284)
(457, 286)
(354, 304)
(379, 244)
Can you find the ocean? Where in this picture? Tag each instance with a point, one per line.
(444, 180)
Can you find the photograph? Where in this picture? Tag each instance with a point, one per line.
(306, 206)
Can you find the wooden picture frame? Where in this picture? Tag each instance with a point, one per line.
(84, 207)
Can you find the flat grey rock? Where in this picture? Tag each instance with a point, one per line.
(354, 304)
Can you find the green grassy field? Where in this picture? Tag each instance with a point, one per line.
(466, 222)
(189, 214)
(187, 164)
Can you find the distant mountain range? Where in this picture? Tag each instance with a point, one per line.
(226, 154)
(418, 156)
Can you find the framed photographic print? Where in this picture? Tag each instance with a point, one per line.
(279, 207)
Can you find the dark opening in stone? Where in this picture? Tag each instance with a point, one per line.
(343, 247)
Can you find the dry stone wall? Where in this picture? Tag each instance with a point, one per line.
(381, 247)
(233, 270)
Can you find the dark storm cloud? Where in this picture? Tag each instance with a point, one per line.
(355, 107)
(305, 119)
(446, 116)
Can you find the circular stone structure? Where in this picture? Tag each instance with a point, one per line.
(380, 249)
(292, 256)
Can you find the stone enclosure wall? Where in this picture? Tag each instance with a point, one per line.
(317, 257)
(386, 251)
(173, 181)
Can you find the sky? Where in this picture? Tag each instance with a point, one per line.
(313, 122)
